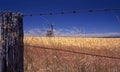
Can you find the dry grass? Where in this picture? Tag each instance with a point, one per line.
(43, 60)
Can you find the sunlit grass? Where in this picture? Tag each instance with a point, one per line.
(43, 60)
(96, 43)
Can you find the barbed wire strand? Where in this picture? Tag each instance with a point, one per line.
(83, 53)
(73, 12)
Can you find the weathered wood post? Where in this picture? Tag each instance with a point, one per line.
(12, 42)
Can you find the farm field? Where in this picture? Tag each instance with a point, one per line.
(63, 54)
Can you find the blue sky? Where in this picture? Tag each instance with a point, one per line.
(99, 22)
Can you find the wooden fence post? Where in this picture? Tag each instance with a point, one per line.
(12, 42)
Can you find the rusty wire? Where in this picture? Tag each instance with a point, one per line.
(77, 52)
(73, 12)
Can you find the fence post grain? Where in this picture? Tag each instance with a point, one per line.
(12, 42)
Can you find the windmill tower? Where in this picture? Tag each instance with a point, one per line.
(50, 31)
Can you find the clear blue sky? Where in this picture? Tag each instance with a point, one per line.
(99, 22)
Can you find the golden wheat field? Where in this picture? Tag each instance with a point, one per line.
(39, 59)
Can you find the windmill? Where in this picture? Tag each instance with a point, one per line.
(50, 31)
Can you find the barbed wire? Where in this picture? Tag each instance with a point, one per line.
(83, 53)
(73, 12)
